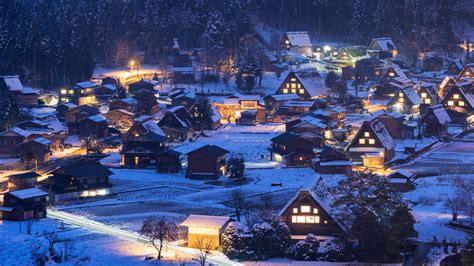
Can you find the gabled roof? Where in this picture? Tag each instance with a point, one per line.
(17, 131)
(211, 150)
(86, 84)
(28, 193)
(283, 97)
(412, 96)
(84, 169)
(13, 83)
(384, 44)
(299, 38)
(381, 133)
(42, 141)
(441, 114)
(312, 81)
(97, 118)
(401, 173)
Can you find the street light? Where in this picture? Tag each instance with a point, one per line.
(132, 63)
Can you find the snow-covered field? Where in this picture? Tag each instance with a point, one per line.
(252, 142)
(428, 207)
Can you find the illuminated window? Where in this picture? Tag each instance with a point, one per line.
(63, 91)
(305, 219)
(301, 91)
(287, 85)
(293, 219)
(401, 100)
(71, 91)
(461, 103)
(299, 86)
(306, 209)
(315, 210)
(285, 90)
(301, 219)
(468, 73)
(371, 141)
(455, 96)
(293, 79)
(391, 74)
(366, 134)
(293, 85)
(361, 141)
(400, 94)
(427, 101)
(450, 103)
(295, 210)
(423, 95)
(293, 91)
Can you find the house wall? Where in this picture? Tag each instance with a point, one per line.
(8, 145)
(292, 85)
(201, 163)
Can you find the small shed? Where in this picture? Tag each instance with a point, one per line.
(204, 229)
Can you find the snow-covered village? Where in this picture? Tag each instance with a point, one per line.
(237, 132)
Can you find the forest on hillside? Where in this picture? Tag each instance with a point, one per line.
(55, 42)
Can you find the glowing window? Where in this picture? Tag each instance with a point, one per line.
(310, 219)
(293, 91)
(293, 219)
(285, 90)
(63, 91)
(299, 86)
(400, 94)
(295, 210)
(461, 103)
(287, 85)
(423, 95)
(401, 100)
(361, 141)
(301, 91)
(450, 103)
(455, 96)
(371, 141)
(293, 79)
(366, 134)
(427, 101)
(306, 209)
(391, 74)
(315, 210)
(301, 219)
(71, 92)
(293, 85)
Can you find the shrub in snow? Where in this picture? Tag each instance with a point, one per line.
(264, 235)
(338, 249)
(306, 249)
(282, 240)
(235, 168)
(237, 242)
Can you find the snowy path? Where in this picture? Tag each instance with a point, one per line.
(127, 235)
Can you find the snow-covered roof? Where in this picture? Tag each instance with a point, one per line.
(18, 131)
(86, 84)
(13, 83)
(283, 97)
(129, 100)
(206, 221)
(385, 44)
(97, 118)
(312, 82)
(216, 116)
(404, 173)
(43, 141)
(296, 103)
(299, 38)
(382, 134)
(366, 149)
(441, 115)
(249, 97)
(42, 112)
(110, 86)
(152, 126)
(412, 96)
(28, 193)
(336, 163)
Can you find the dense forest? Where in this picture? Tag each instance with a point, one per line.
(53, 42)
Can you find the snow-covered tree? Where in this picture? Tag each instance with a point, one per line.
(201, 113)
(9, 111)
(247, 72)
(235, 167)
(306, 249)
(237, 242)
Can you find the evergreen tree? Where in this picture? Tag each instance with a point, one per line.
(9, 111)
(235, 167)
(201, 113)
(306, 249)
(264, 237)
(247, 71)
(237, 242)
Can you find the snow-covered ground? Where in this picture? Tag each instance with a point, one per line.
(252, 142)
(428, 207)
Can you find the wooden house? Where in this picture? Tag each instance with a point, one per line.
(205, 230)
(306, 124)
(382, 48)
(142, 142)
(306, 83)
(120, 118)
(466, 74)
(459, 98)
(81, 93)
(298, 42)
(10, 139)
(406, 101)
(76, 114)
(110, 80)
(275, 101)
(401, 180)
(368, 69)
(428, 93)
(445, 86)
(22, 181)
(176, 124)
(247, 117)
(211, 123)
(435, 121)
(168, 161)
(143, 84)
(37, 150)
(332, 161)
(310, 213)
(105, 91)
(147, 103)
(127, 104)
(295, 149)
(62, 108)
(372, 145)
(24, 204)
(207, 162)
(95, 125)
(433, 63)
(23, 95)
(351, 54)
(395, 74)
(80, 179)
(180, 97)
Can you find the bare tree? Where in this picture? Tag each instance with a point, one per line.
(227, 68)
(159, 230)
(276, 46)
(265, 211)
(52, 238)
(237, 202)
(455, 205)
(67, 250)
(203, 245)
(121, 52)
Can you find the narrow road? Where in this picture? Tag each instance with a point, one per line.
(131, 236)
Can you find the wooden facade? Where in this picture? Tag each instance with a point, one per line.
(25, 204)
(207, 162)
(435, 121)
(459, 98)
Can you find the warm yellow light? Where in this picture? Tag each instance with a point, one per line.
(132, 63)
